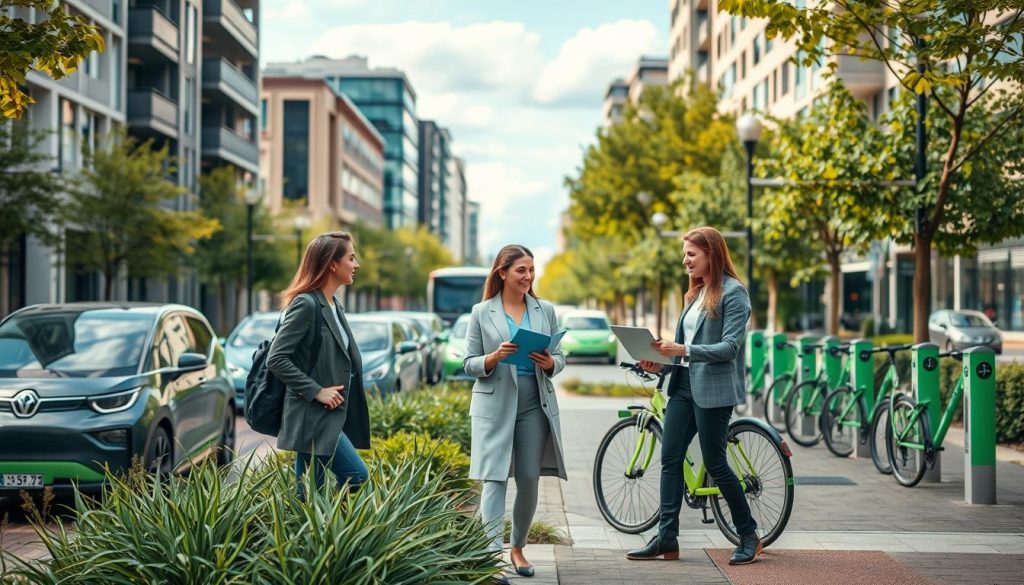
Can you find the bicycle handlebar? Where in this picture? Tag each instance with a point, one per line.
(891, 348)
(956, 354)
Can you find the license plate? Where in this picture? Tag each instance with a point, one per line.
(22, 480)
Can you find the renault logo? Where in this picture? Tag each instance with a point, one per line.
(25, 403)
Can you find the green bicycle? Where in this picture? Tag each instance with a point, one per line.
(910, 445)
(782, 386)
(845, 419)
(806, 401)
(627, 472)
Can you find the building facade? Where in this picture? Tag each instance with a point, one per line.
(615, 99)
(648, 71)
(387, 99)
(319, 151)
(753, 72)
(473, 256)
(456, 201)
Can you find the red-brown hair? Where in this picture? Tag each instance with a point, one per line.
(713, 245)
(316, 264)
(506, 257)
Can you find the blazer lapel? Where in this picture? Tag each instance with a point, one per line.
(353, 350)
(497, 315)
(536, 316)
(332, 324)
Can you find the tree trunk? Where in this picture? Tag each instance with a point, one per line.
(922, 286)
(222, 305)
(835, 273)
(772, 321)
(108, 282)
(5, 281)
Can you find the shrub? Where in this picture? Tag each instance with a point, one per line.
(401, 528)
(442, 413)
(541, 533)
(604, 389)
(441, 456)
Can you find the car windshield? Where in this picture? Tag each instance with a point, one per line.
(585, 323)
(969, 320)
(460, 328)
(102, 342)
(370, 336)
(253, 332)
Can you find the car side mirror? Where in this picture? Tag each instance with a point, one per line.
(441, 337)
(408, 346)
(942, 325)
(189, 362)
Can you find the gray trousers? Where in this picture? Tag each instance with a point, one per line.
(530, 437)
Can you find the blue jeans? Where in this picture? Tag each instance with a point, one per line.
(346, 465)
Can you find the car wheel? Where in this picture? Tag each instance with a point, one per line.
(611, 360)
(159, 458)
(226, 446)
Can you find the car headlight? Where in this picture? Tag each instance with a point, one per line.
(237, 371)
(611, 338)
(117, 402)
(379, 372)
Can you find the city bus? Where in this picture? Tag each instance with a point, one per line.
(453, 291)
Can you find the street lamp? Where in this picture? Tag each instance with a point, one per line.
(252, 197)
(658, 220)
(301, 224)
(748, 126)
(644, 199)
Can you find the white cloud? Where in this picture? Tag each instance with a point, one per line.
(478, 116)
(287, 11)
(438, 56)
(592, 58)
(503, 192)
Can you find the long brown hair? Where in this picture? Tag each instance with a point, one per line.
(506, 257)
(713, 244)
(316, 264)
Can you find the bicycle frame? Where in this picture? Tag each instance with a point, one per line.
(939, 436)
(891, 381)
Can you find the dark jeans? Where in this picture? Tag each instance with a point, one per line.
(345, 464)
(684, 419)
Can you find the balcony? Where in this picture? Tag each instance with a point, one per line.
(222, 143)
(225, 21)
(150, 110)
(150, 31)
(104, 8)
(862, 77)
(225, 79)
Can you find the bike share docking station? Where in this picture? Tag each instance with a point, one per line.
(862, 378)
(756, 352)
(783, 360)
(978, 376)
(808, 369)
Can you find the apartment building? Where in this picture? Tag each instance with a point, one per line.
(648, 71)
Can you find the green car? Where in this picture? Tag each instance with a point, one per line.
(588, 334)
(455, 351)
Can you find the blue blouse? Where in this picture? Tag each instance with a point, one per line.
(512, 330)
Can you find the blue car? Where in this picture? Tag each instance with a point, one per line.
(86, 387)
(240, 345)
(391, 357)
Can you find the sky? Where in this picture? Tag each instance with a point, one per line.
(519, 84)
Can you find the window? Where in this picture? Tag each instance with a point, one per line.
(202, 335)
(190, 34)
(785, 78)
(732, 31)
(296, 149)
(800, 82)
(115, 70)
(172, 340)
(775, 86)
(187, 106)
(263, 114)
(68, 135)
(87, 130)
(743, 64)
(757, 50)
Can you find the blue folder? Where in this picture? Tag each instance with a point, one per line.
(529, 342)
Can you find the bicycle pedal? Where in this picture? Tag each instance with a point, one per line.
(705, 519)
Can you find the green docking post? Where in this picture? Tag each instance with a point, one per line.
(924, 383)
(979, 425)
(862, 378)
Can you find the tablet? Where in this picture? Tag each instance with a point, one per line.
(637, 343)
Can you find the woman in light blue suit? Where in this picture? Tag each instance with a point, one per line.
(516, 430)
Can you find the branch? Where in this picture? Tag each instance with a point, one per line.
(992, 133)
(881, 51)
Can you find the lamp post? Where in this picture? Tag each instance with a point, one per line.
(748, 126)
(658, 220)
(301, 224)
(252, 197)
(644, 199)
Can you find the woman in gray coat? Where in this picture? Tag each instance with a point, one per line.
(516, 430)
(325, 414)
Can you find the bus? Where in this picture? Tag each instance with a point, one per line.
(453, 291)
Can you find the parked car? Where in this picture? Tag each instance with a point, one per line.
(455, 350)
(430, 329)
(963, 329)
(391, 359)
(86, 387)
(241, 344)
(588, 334)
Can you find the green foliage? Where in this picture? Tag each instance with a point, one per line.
(441, 412)
(120, 208)
(55, 46)
(398, 262)
(445, 457)
(576, 386)
(891, 339)
(541, 532)
(214, 527)
(29, 192)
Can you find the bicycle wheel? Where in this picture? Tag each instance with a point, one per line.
(802, 415)
(630, 503)
(907, 441)
(772, 398)
(878, 438)
(758, 457)
(840, 435)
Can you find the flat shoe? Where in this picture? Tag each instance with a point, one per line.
(523, 571)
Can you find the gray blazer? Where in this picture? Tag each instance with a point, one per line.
(716, 351)
(307, 426)
(495, 393)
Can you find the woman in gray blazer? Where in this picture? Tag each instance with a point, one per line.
(325, 414)
(707, 382)
(516, 430)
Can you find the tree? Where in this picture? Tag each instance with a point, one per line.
(29, 195)
(54, 46)
(955, 52)
(118, 207)
(221, 258)
(836, 157)
(398, 262)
